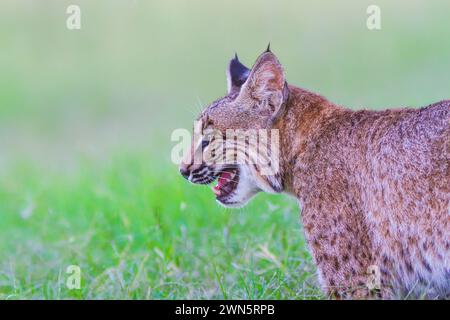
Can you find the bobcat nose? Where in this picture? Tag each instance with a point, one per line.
(185, 172)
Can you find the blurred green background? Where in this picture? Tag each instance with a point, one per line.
(85, 123)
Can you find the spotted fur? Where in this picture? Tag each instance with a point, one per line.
(374, 186)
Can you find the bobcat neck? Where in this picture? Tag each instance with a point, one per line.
(306, 115)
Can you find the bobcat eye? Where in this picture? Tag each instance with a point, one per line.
(205, 143)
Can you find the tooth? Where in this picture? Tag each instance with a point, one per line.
(216, 191)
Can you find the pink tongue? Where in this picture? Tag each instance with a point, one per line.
(224, 178)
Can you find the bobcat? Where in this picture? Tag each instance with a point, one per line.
(374, 186)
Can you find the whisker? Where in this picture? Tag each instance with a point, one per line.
(192, 111)
(200, 105)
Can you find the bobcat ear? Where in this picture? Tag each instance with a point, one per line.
(267, 84)
(237, 74)
(266, 77)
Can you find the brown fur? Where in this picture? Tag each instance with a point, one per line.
(374, 186)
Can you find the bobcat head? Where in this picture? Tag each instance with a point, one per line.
(254, 102)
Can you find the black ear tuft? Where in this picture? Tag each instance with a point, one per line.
(237, 74)
(268, 48)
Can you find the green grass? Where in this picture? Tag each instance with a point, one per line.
(141, 234)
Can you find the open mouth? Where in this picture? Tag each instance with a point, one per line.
(227, 183)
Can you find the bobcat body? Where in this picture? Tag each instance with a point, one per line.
(374, 186)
